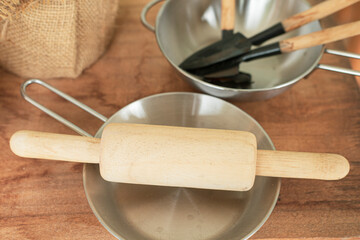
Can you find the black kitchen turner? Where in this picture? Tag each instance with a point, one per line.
(220, 70)
(228, 37)
(230, 48)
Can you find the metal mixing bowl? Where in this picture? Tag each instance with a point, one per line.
(183, 27)
(139, 212)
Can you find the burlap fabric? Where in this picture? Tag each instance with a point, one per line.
(56, 38)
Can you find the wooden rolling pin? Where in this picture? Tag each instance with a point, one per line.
(179, 156)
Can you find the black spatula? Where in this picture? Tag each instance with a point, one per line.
(228, 37)
(228, 48)
(285, 46)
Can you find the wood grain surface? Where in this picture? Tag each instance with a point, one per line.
(42, 199)
(324, 36)
(227, 14)
(321, 10)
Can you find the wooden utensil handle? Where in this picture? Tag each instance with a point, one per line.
(321, 37)
(227, 14)
(32, 144)
(317, 12)
(322, 166)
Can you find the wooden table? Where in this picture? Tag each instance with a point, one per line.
(45, 200)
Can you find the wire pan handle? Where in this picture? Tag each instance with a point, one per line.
(55, 115)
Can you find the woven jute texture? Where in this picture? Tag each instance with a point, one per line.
(56, 38)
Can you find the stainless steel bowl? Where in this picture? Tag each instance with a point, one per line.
(138, 212)
(183, 27)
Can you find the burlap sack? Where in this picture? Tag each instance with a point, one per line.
(56, 38)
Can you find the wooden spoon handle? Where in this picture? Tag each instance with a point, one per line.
(324, 166)
(32, 144)
(227, 14)
(321, 37)
(317, 12)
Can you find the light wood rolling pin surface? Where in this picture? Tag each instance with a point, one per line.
(179, 156)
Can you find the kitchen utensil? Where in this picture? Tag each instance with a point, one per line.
(224, 50)
(284, 46)
(178, 156)
(228, 37)
(137, 212)
(199, 28)
(227, 18)
(231, 78)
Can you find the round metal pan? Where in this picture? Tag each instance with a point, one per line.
(183, 27)
(138, 212)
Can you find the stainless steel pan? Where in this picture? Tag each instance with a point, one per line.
(183, 27)
(136, 212)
